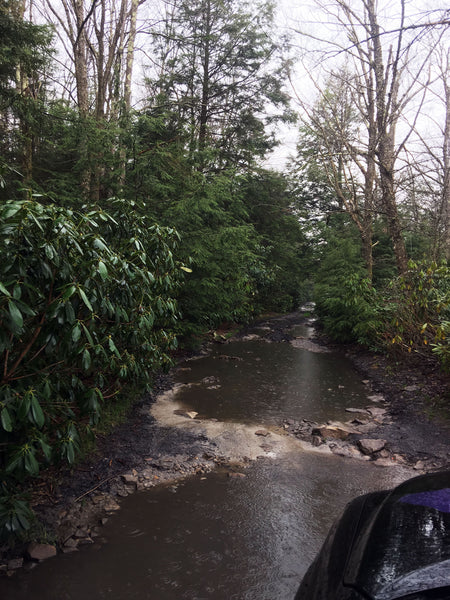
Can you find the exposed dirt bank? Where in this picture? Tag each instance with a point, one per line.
(159, 443)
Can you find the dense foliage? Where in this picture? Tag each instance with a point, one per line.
(408, 314)
(121, 230)
(86, 305)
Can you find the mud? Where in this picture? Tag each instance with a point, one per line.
(158, 446)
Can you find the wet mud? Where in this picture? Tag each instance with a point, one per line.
(160, 443)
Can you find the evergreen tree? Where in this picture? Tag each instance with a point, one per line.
(24, 51)
(221, 77)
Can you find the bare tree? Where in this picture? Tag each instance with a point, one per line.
(385, 85)
(346, 152)
(432, 165)
(99, 39)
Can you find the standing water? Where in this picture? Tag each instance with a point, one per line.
(219, 537)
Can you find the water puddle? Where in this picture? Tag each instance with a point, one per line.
(260, 382)
(215, 537)
(244, 535)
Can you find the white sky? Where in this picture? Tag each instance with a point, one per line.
(312, 30)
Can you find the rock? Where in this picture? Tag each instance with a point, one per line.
(316, 440)
(210, 379)
(190, 414)
(384, 453)
(347, 450)
(80, 533)
(357, 422)
(370, 446)
(266, 447)
(412, 388)
(15, 563)
(367, 427)
(85, 541)
(376, 398)
(111, 505)
(376, 411)
(129, 479)
(334, 431)
(40, 551)
(361, 411)
(262, 432)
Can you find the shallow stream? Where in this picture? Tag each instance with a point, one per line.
(243, 537)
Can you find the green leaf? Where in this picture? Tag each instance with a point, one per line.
(16, 315)
(6, 420)
(25, 309)
(15, 462)
(76, 333)
(69, 291)
(36, 411)
(86, 360)
(17, 292)
(46, 449)
(102, 270)
(85, 299)
(46, 390)
(4, 290)
(186, 269)
(99, 244)
(25, 524)
(70, 453)
(10, 210)
(113, 347)
(49, 251)
(70, 313)
(24, 407)
(87, 334)
(31, 464)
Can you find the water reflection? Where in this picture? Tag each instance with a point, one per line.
(266, 383)
(215, 538)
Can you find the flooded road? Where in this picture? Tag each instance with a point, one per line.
(247, 534)
(260, 382)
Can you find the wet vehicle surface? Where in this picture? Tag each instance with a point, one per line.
(387, 545)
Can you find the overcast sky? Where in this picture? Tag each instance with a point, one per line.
(312, 29)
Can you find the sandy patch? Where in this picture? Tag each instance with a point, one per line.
(234, 441)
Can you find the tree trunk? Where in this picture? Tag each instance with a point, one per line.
(203, 121)
(79, 45)
(446, 166)
(386, 119)
(127, 88)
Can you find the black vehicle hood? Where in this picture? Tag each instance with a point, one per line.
(404, 547)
